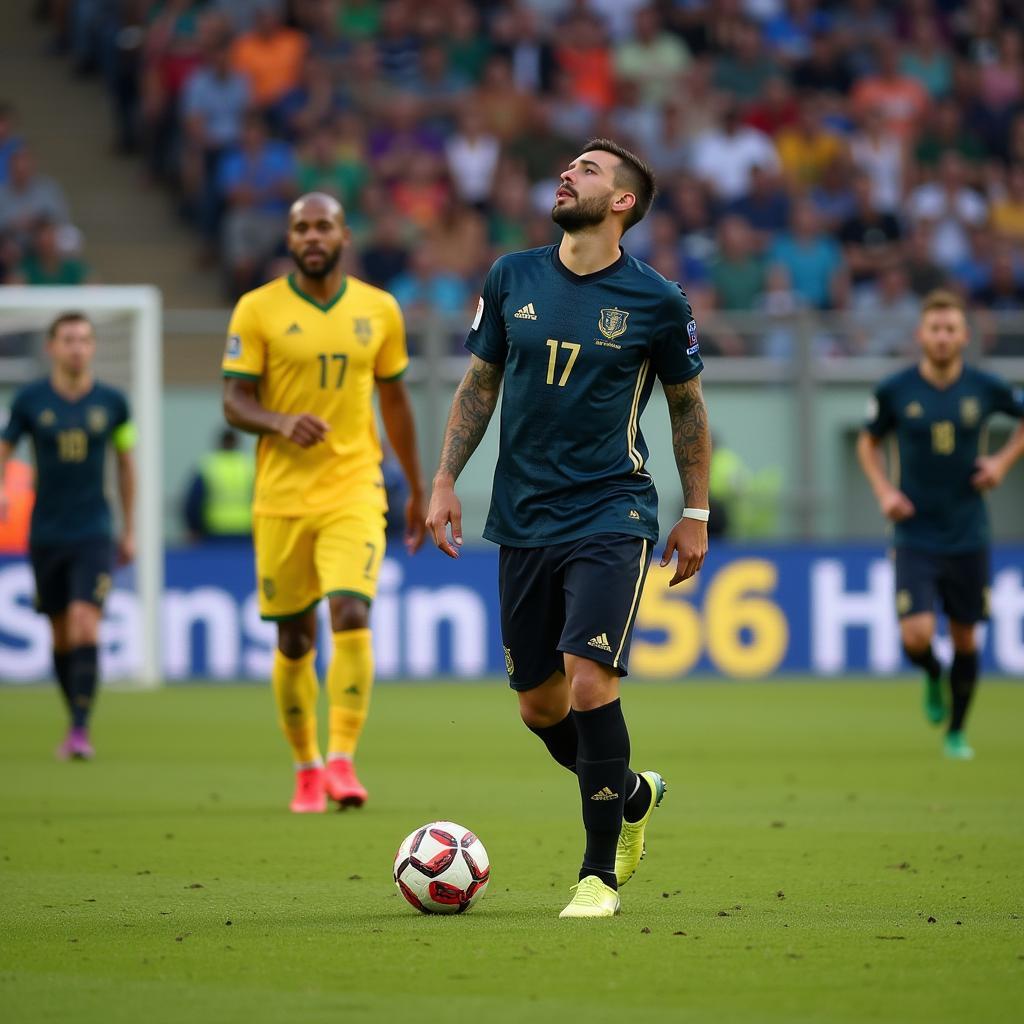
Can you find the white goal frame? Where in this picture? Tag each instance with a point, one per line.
(144, 306)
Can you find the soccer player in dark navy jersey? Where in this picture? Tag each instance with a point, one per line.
(937, 411)
(71, 418)
(576, 333)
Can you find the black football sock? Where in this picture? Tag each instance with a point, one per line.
(602, 771)
(963, 677)
(925, 659)
(638, 799)
(62, 669)
(561, 739)
(82, 681)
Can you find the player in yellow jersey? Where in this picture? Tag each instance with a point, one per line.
(303, 356)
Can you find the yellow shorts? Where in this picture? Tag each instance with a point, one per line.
(300, 560)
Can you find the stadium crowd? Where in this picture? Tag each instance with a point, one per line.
(824, 156)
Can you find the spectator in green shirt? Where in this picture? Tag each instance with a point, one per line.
(737, 274)
(46, 262)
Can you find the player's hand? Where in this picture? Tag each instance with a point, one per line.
(415, 522)
(126, 549)
(988, 473)
(896, 506)
(445, 508)
(689, 542)
(305, 430)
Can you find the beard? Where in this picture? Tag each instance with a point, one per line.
(587, 213)
(318, 273)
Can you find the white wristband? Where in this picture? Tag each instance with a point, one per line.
(702, 514)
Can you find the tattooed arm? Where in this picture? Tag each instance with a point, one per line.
(472, 408)
(691, 445)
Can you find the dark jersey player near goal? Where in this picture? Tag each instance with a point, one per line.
(578, 332)
(71, 418)
(937, 411)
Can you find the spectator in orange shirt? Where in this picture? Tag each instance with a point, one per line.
(17, 496)
(900, 99)
(270, 55)
(587, 59)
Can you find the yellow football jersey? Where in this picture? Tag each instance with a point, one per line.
(322, 359)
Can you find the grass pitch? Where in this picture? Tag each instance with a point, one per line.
(815, 860)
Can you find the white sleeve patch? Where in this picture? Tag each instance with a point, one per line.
(872, 410)
(234, 346)
(479, 314)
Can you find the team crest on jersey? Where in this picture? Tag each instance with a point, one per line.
(914, 411)
(970, 411)
(96, 419)
(612, 323)
(47, 418)
(269, 589)
(363, 329)
(234, 346)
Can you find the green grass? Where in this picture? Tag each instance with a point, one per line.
(809, 834)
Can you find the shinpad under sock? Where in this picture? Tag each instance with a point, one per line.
(82, 678)
(924, 659)
(963, 677)
(561, 739)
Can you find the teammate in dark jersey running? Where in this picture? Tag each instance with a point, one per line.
(578, 332)
(71, 418)
(937, 411)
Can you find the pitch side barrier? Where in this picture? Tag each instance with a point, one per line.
(752, 612)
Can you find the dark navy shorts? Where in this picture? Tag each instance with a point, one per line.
(580, 598)
(71, 572)
(958, 582)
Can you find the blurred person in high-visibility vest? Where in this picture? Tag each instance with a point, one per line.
(218, 505)
(17, 496)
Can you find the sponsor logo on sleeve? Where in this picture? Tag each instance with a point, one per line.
(691, 331)
(871, 412)
(479, 314)
(234, 346)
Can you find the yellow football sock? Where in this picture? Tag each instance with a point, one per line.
(349, 684)
(296, 691)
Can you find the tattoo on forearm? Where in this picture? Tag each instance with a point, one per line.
(691, 440)
(472, 409)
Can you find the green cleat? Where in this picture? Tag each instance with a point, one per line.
(630, 849)
(956, 747)
(934, 705)
(592, 898)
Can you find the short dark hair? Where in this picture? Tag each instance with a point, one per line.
(71, 316)
(941, 298)
(634, 173)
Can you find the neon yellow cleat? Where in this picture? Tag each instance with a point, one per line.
(592, 898)
(630, 849)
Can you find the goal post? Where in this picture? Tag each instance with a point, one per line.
(129, 333)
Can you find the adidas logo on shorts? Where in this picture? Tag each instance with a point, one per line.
(526, 313)
(600, 642)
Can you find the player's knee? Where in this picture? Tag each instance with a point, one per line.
(82, 625)
(294, 643)
(964, 637)
(916, 638)
(592, 686)
(349, 613)
(539, 714)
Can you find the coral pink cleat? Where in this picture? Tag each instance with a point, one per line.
(310, 796)
(342, 784)
(76, 746)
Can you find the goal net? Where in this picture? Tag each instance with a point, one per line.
(128, 327)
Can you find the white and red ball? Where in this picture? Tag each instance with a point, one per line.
(442, 868)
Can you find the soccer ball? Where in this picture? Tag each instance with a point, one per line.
(442, 868)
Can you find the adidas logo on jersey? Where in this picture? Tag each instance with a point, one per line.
(526, 313)
(604, 793)
(633, 514)
(294, 329)
(601, 642)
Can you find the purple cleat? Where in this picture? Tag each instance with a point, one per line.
(76, 746)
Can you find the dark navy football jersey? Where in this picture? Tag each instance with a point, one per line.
(580, 354)
(938, 433)
(70, 441)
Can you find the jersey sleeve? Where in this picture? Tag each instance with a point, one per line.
(245, 354)
(675, 351)
(18, 423)
(393, 356)
(880, 418)
(487, 338)
(1007, 399)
